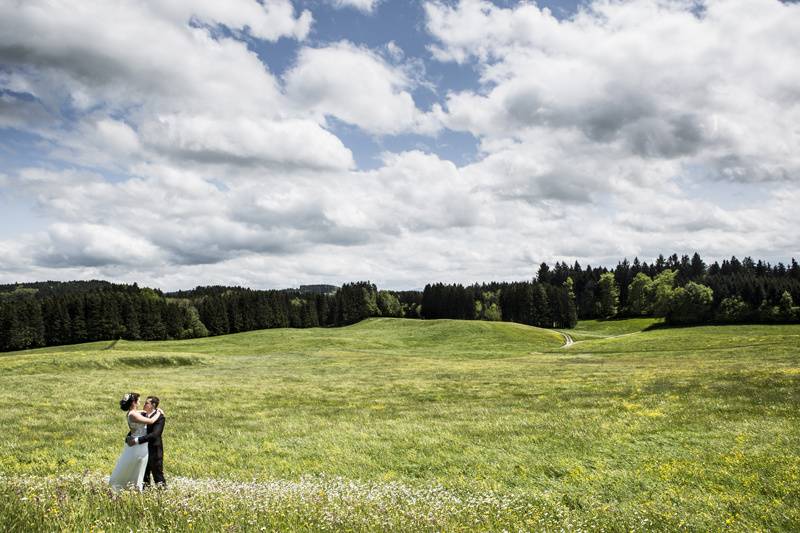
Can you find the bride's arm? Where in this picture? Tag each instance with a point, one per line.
(154, 432)
(143, 419)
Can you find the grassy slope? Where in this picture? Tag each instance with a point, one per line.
(687, 424)
(595, 329)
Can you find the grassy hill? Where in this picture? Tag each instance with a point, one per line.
(418, 422)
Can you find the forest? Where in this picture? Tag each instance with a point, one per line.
(683, 290)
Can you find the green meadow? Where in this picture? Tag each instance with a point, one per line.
(395, 424)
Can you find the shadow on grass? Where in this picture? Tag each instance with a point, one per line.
(65, 364)
(664, 325)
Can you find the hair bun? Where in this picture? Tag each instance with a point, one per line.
(127, 400)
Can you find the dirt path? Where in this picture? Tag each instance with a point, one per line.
(567, 340)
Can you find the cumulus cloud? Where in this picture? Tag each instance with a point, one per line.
(156, 76)
(94, 245)
(166, 151)
(355, 85)
(179, 216)
(102, 53)
(416, 219)
(247, 141)
(269, 20)
(412, 192)
(644, 79)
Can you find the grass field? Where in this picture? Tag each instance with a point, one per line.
(399, 424)
(595, 329)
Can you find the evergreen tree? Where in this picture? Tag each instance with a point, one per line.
(586, 300)
(130, 318)
(697, 269)
(622, 277)
(541, 307)
(543, 276)
(77, 318)
(27, 326)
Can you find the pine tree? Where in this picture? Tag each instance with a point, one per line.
(77, 319)
(543, 276)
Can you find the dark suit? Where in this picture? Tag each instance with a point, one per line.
(155, 451)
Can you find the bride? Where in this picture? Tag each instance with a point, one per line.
(131, 464)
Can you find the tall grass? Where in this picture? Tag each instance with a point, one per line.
(691, 428)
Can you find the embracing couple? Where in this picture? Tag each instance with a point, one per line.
(143, 455)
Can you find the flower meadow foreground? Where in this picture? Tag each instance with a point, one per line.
(314, 503)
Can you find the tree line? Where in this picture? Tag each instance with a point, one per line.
(682, 290)
(535, 303)
(232, 310)
(54, 313)
(685, 290)
(50, 313)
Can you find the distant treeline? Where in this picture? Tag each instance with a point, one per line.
(761, 287)
(687, 291)
(682, 290)
(232, 310)
(53, 313)
(538, 304)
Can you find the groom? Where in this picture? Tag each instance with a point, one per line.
(155, 450)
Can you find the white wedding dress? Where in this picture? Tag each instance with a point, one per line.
(129, 472)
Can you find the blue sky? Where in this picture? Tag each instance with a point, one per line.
(279, 143)
(400, 22)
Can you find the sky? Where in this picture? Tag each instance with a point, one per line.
(271, 143)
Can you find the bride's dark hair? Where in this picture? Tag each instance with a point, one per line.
(128, 400)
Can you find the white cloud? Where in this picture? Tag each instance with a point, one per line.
(269, 20)
(94, 245)
(417, 219)
(395, 52)
(605, 135)
(159, 67)
(247, 141)
(102, 53)
(644, 79)
(367, 6)
(181, 217)
(356, 86)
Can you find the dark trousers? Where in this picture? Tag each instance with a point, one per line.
(155, 467)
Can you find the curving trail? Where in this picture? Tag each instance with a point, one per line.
(567, 340)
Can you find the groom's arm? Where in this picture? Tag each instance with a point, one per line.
(157, 429)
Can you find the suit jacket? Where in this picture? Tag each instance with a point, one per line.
(154, 430)
(153, 437)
